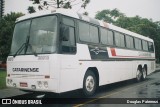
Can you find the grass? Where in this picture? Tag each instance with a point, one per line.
(3, 74)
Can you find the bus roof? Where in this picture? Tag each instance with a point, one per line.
(67, 12)
(119, 29)
(74, 14)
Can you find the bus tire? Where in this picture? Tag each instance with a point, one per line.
(144, 73)
(139, 75)
(89, 83)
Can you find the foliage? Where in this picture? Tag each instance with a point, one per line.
(3, 79)
(7, 24)
(31, 9)
(109, 16)
(136, 24)
(67, 4)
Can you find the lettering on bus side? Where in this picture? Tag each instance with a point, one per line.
(43, 57)
(25, 69)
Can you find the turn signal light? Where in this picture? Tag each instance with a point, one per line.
(46, 76)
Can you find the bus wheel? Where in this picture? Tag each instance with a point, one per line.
(138, 75)
(144, 73)
(89, 83)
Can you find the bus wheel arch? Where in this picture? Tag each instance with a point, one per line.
(91, 76)
(139, 73)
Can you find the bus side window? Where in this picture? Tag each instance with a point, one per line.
(138, 44)
(106, 36)
(129, 42)
(119, 39)
(68, 38)
(144, 45)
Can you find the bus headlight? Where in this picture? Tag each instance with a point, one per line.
(14, 84)
(11, 81)
(39, 84)
(45, 84)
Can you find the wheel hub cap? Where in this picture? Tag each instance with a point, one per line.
(90, 83)
(139, 75)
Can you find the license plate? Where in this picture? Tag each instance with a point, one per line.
(23, 84)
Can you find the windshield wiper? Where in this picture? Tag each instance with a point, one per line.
(23, 47)
(20, 49)
(35, 54)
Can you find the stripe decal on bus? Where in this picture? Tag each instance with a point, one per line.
(118, 59)
(101, 54)
(113, 52)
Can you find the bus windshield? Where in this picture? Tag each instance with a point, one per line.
(39, 36)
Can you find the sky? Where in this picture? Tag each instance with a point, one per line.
(143, 8)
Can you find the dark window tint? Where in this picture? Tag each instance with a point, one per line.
(129, 42)
(138, 43)
(104, 34)
(119, 39)
(94, 34)
(145, 45)
(150, 47)
(68, 36)
(106, 37)
(84, 32)
(110, 38)
(68, 21)
(88, 33)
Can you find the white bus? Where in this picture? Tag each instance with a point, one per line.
(60, 51)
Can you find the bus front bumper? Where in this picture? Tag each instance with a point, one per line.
(44, 85)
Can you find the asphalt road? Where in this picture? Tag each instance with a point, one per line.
(113, 93)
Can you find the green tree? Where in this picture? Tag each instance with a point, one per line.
(109, 16)
(68, 4)
(7, 24)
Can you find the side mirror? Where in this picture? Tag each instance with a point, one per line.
(64, 33)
